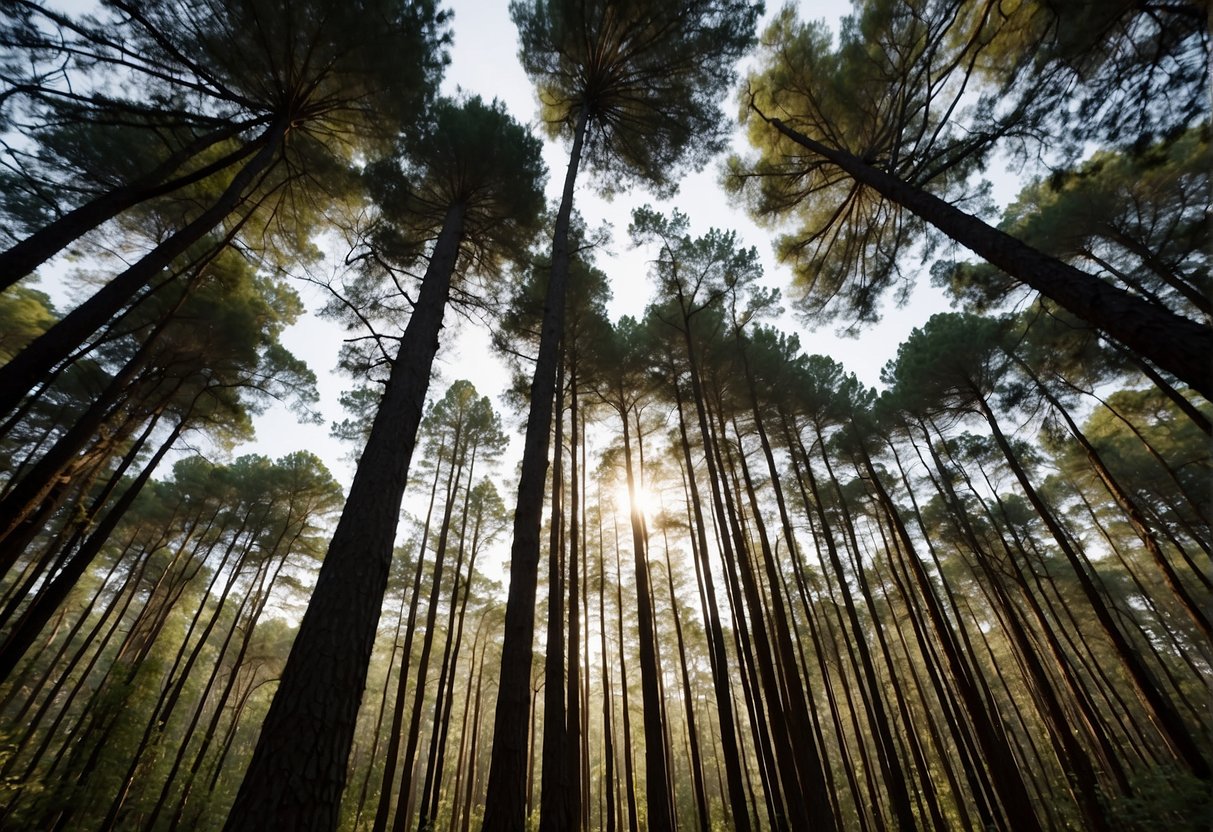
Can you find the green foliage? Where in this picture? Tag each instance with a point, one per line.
(648, 76)
(25, 314)
(1141, 217)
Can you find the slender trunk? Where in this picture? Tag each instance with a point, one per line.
(629, 775)
(701, 797)
(738, 801)
(407, 783)
(656, 761)
(608, 729)
(450, 660)
(573, 737)
(298, 770)
(505, 804)
(391, 757)
(554, 813)
(34, 618)
(1171, 725)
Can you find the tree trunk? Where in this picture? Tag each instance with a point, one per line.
(554, 813)
(40, 356)
(505, 804)
(298, 770)
(656, 761)
(1177, 344)
(45, 243)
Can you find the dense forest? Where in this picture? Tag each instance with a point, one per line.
(725, 585)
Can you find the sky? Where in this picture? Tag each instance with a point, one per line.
(484, 62)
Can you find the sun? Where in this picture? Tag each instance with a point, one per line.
(645, 500)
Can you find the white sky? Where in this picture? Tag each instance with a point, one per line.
(484, 62)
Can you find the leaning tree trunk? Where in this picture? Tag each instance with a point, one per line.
(46, 242)
(1177, 734)
(298, 770)
(1177, 344)
(40, 356)
(505, 803)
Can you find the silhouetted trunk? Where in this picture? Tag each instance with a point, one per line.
(404, 802)
(554, 815)
(391, 757)
(656, 763)
(298, 770)
(40, 356)
(737, 799)
(1178, 735)
(1177, 344)
(505, 803)
(35, 617)
(46, 242)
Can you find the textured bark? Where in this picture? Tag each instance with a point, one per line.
(298, 771)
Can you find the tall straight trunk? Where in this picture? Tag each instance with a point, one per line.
(573, 737)
(1178, 734)
(656, 761)
(811, 761)
(391, 756)
(737, 799)
(460, 451)
(733, 546)
(475, 747)
(992, 741)
(461, 763)
(554, 813)
(27, 255)
(505, 803)
(701, 797)
(40, 356)
(608, 728)
(1177, 344)
(387, 683)
(629, 774)
(298, 770)
(432, 789)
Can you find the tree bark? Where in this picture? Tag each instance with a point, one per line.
(298, 770)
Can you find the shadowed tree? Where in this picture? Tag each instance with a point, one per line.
(328, 96)
(864, 182)
(471, 169)
(636, 86)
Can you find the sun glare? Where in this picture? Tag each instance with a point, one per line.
(645, 501)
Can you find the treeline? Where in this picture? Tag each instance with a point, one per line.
(978, 597)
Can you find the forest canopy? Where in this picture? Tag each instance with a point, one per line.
(609, 547)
